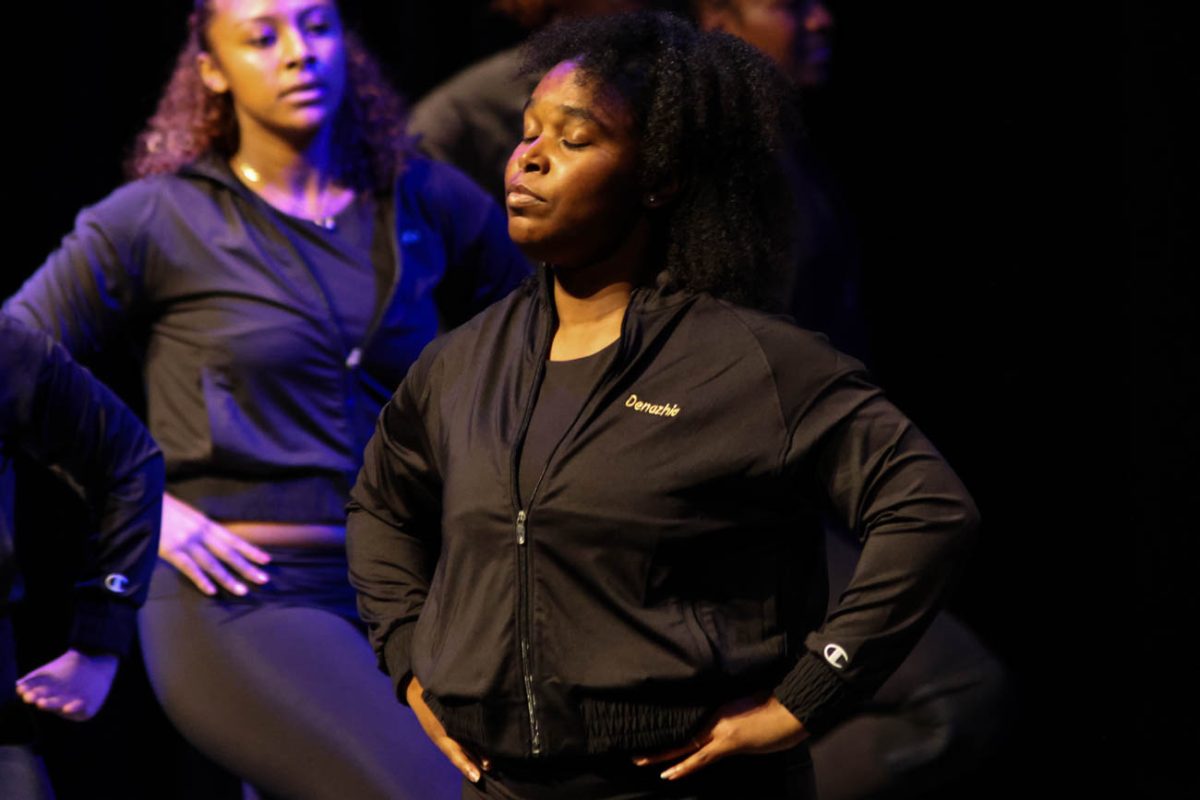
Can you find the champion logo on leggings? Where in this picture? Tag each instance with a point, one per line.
(116, 583)
(836, 656)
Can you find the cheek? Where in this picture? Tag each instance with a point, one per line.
(335, 56)
(247, 80)
(510, 167)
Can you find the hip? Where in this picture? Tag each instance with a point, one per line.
(787, 775)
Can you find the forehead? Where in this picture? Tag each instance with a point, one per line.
(751, 6)
(568, 88)
(236, 10)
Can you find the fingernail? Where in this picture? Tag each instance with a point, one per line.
(473, 774)
(239, 589)
(668, 774)
(641, 761)
(261, 577)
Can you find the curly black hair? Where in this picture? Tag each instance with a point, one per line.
(190, 121)
(713, 115)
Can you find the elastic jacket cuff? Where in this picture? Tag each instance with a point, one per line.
(101, 625)
(816, 695)
(397, 657)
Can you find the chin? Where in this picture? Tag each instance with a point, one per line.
(523, 236)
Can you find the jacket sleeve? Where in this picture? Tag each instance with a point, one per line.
(483, 263)
(393, 529)
(888, 484)
(86, 291)
(70, 422)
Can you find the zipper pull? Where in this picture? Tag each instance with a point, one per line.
(521, 527)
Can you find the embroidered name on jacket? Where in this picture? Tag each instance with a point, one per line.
(657, 409)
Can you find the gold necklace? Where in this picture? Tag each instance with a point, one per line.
(252, 176)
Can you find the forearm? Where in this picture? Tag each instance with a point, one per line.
(389, 571)
(391, 533)
(79, 428)
(890, 486)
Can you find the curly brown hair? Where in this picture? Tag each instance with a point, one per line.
(192, 121)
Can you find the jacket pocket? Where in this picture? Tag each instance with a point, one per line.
(738, 635)
(233, 440)
(252, 432)
(703, 648)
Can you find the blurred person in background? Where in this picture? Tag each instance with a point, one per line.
(473, 118)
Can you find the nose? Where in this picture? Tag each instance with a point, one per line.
(531, 157)
(297, 51)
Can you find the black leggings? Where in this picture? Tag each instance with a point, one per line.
(281, 687)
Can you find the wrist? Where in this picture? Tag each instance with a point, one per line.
(412, 689)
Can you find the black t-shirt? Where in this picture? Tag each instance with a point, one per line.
(345, 256)
(564, 390)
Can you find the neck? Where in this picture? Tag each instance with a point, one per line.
(590, 302)
(302, 173)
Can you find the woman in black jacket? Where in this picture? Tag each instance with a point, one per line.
(585, 533)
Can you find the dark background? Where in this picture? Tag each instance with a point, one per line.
(1026, 198)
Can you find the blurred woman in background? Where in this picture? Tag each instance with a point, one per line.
(278, 262)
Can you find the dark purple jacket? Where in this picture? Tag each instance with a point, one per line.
(261, 408)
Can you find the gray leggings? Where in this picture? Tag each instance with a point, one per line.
(281, 688)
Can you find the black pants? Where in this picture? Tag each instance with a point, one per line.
(281, 687)
(777, 776)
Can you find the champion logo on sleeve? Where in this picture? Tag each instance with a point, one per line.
(836, 656)
(116, 583)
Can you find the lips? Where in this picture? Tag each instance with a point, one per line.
(309, 90)
(521, 196)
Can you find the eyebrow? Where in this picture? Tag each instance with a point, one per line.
(309, 9)
(572, 111)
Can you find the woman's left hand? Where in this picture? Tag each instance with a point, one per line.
(752, 726)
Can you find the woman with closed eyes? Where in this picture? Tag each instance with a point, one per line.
(585, 536)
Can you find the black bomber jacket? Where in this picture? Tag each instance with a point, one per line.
(670, 558)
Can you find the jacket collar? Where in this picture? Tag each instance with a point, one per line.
(652, 311)
(214, 168)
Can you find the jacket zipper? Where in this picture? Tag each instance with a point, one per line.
(354, 357)
(525, 611)
(524, 614)
(525, 625)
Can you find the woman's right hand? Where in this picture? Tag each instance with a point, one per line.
(466, 763)
(205, 551)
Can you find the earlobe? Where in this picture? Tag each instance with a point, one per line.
(662, 195)
(210, 74)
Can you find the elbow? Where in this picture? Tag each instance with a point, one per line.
(969, 520)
